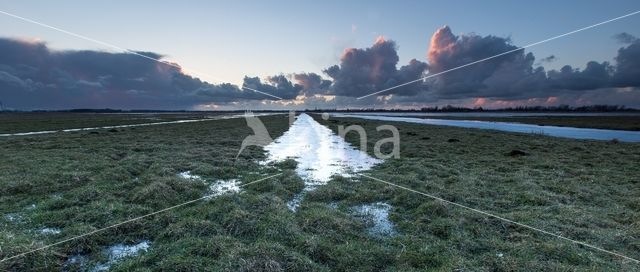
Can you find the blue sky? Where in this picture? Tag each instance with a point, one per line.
(230, 39)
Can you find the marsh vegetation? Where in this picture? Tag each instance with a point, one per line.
(81, 181)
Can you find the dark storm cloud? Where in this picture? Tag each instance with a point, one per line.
(312, 83)
(33, 76)
(515, 76)
(363, 71)
(509, 75)
(277, 85)
(595, 75)
(627, 69)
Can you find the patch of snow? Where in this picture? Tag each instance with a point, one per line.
(378, 213)
(222, 187)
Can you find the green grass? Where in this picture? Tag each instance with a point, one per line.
(44, 121)
(82, 181)
(583, 190)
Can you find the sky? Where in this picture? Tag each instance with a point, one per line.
(232, 41)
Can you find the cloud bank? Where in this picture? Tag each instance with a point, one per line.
(32, 76)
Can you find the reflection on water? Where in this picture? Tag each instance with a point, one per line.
(566, 132)
(319, 153)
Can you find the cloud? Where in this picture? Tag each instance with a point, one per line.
(33, 76)
(277, 85)
(509, 75)
(363, 71)
(596, 75)
(312, 83)
(627, 69)
(625, 38)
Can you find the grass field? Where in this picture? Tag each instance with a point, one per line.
(43, 121)
(81, 181)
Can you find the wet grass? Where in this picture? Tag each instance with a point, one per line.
(583, 190)
(82, 181)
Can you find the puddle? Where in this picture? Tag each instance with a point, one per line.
(378, 213)
(113, 253)
(14, 217)
(222, 187)
(48, 231)
(188, 175)
(216, 188)
(319, 153)
(555, 131)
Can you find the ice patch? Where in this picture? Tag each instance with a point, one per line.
(319, 152)
(222, 187)
(378, 213)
